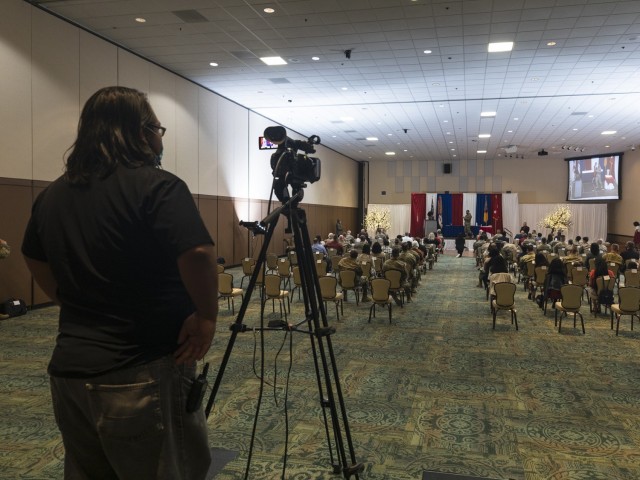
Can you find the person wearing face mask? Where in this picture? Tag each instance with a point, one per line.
(119, 245)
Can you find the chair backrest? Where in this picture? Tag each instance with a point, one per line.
(297, 279)
(225, 283)
(293, 258)
(505, 293)
(541, 273)
(614, 267)
(394, 277)
(366, 269)
(377, 264)
(632, 278)
(321, 267)
(331, 252)
(272, 261)
(328, 286)
(629, 299)
(318, 255)
(592, 263)
(284, 266)
(220, 267)
(605, 283)
(335, 260)
(247, 263)
(562, 252)
(260, 279)
(348, 279)
(531, 269)
(272, 285)
(380, 289)
(579, 275)
(571, 296)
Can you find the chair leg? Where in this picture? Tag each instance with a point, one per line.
(618, 323)
(495, 311)
(372, 308)
(342, 307)
(389, 306)
(337, 313)
(582, 322)
(560, 322)
(515, 318)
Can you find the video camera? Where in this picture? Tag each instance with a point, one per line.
(289, 167)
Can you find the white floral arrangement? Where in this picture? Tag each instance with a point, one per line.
(377, 218)
(558, 220)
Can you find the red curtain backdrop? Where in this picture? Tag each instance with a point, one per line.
(496, 203)
(418, 213)
(456, 209)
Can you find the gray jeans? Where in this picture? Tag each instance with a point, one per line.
(131, 424)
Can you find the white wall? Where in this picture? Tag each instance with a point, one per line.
(49, 69)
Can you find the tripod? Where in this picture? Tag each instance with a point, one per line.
(317, 328)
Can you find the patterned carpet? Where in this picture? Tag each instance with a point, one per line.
(437, 390)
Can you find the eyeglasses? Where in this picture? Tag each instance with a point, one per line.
(157, 129)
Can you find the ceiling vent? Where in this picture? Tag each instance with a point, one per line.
(190, 16)
(279, 80)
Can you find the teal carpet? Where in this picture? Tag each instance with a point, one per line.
(436, 391)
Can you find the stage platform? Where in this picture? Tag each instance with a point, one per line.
(450, 244)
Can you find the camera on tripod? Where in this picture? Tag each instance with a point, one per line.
(288, 165)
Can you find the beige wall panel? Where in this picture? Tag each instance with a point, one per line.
(338, 184)
(98, 65)
(226, 228)
(15, 89)
(208, 207)
(187, 133)
(623, 213)
(133, 71)
(534, 180)
(162, 96)
(260, 175)
(55, 86)
(208, 142)
(233, 131)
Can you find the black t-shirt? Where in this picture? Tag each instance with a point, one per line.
(112, 247)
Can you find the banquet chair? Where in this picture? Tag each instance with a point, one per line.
(537, 283)
(347, 280)
(273, 292)
(504, 300)
(220, 268)
(226, 290)
(297, 281)
(380, 296)
(632, 278)
(293, 258)
(321, 268)
(569, 303)
(284, 272)
(328, 290)
(602, 283)
(395, 278)
(579, 276)
(272, 262)
(335, 260)
(628, 304)
(247, 268)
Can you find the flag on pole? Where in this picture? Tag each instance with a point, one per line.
(485, 216)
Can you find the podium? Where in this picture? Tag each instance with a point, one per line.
(430, 226)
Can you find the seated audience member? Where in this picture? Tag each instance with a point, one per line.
(614, 255)
(559, 244)
(555, 278)
(408, 257)
(394, 263)
(630, 253)
(351, 263)
(600, 270)
(376, 250)
(348, 237)
(492, 258)
(541, 260)
(318, 247)
(498, 272)
(594, 252)
(543, 246)
(584, 246)
(527, 256)
(386, 248)
(572, 256)
(365, 256)
(336, 244)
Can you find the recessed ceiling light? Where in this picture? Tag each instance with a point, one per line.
(446, 121)
(454, 155)
(453, 149)
(509, 131)
(534, 79)
(346, 119)
(574, 129)
(390, 153)
(141, 20)
(487, 114)
(550, 44)
(268, 10)
(427, 52)
(484, 135)
(273, 60)
(315, 59)
(405, 150)
(609, 132)
(500, 47)
(515, 118)
(213, 64)
(450, 141)
(481, 151)
(435, 84)
(344, 88)
(607, 146)
(372, 139)
(389, 134)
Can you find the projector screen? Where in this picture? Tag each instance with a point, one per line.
(594, 178)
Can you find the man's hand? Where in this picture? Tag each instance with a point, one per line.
(194, 339)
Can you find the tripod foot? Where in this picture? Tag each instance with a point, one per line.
(353, 470)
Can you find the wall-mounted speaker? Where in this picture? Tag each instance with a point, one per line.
(447, 168)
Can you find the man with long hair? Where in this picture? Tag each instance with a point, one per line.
(119, 245)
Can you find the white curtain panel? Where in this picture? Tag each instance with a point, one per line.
(588, 219)
(469, 201)
(400, 217)
(511, 213)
